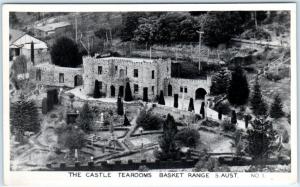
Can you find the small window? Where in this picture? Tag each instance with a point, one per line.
(100, 85)
(181, 89)
(185, 89)
(152, 74)
(136, 88)
(61, 78)
(99, 70)
(135, 73)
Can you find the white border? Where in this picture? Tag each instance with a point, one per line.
(62, 178)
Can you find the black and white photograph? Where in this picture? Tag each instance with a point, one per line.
(138, 91)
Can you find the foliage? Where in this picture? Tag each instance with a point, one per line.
(44, 106)
(23, 117)
(148, 121)
(64, 52)
(238, 90)
(210, 123)
(233, 117)
(52, 98)
(161, 99)
(126, 121)
(130, 24)
(228, 126)
(145, 96)
(223, 107)
(220, 82)
(120, 109)
(86, 117)
(97, 93)
(128, 94)
(258, 106)
(256, 33)
(276, 108)
(20, 65)
(175, 100)
(71, 138)
(13, 20)
(260, 138)
(191, 105)
(188, 137)
(202, 109)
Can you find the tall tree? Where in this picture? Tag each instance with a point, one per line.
(276, 108)
(120, 109)
(220, 82)
(161, 99)
(202, 109)
(238, 90)
(126, 121)
(233, 117)
(130, 23)
(128, 94)
(97, 93)
(191, 105)
(85, 119)
(258, 106)
(64, 52)
(176, 100)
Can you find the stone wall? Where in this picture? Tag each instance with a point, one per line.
(49, 75)
(114, 72)
(189, 86)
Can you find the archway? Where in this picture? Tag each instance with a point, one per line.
(169, 90)
(112, 91)
(200, 93)
(78, 80)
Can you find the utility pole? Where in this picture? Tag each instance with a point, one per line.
(200, 34)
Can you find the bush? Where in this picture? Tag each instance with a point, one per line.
(210, 123)
(149, 121)
(128, 94)
(44, 106)
(258, 34)
(176, 100)
(228, 126)
(191, 105)
(223, 107)
(120, 109)
(188, 137)
(53, 115)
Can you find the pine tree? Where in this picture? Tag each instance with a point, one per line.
(120, 109)
(238, 90)
(126, 121)
(220, 82)
(97, 90)
(161, 99)
(258, 106)
(276, 108)
(85, 118)
(220, 114)
(128, 94)
(145, 95)
(191, 105)
(176, 100)
(202, 109)
(233, 117)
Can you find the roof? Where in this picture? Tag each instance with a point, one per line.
(130, 59)
(23, 40)
(52, 26)
(14, 35)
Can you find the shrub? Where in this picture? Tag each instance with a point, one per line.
(44, 106)
(52, 98)
(188, 137)
(228, 126)
(161, 99)
(191, 105)
(210, 123)
(273, 76)
(53, 115)
(149, 121)
(126, 121)
(120, 109)
(176, 100)
(223, 107)
(202, 109)
(128, 94)
(86, 117)
(233, 117)
(276, 108)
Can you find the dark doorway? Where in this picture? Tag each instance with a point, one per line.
(78, 80)
(145, 94)
(112, 91)
(17, 52)
(169, 90)
(121, 91)
(200, 93)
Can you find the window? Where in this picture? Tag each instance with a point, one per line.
(100, 85)
(99, 70)
(181, 89)
(152, 90)
(61, 78)
(136, 88)
(152, 74)
(38, 75)
(135, 73)
(185, 89)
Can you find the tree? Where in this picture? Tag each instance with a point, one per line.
(145, 95)
(258, 106)
(161, 99)
(260, 139)
(176, 100)
(220, 114)
(126, 121)
(188, 137)
(85, 119)
(120, 109)
(72, 138)
(13, 20)
(130, 22)
(238, 90)
(128, 94)
(220, 82)
(148, 120)
(97, 93)
(276, 108)
(32, 52)
(233, 117)
(202, 109)
(191, 105)
(146, 30)
(64, 52)
(23, 117)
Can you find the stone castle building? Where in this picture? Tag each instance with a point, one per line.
(145, 76)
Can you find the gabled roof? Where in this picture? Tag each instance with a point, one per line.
(14, 35)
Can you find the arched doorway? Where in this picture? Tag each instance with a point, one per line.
(200, 93)
(169, 90)
(112, 91)
(121, 91)
(78, 80)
